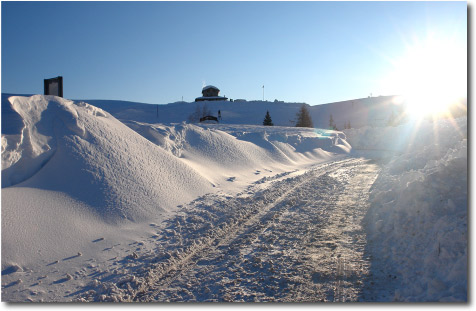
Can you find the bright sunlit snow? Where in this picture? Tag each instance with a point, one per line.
(98, 204)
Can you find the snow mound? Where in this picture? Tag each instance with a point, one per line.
(239, 152)
(418, 218)
(84, 152)
(71, 172)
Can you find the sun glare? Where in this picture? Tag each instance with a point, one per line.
(431, 76)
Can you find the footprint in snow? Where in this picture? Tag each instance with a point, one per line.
(231, 179)
(12, 283)
(67, 278)
(74, 256)
(12, 269)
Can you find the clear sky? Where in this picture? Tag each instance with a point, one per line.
(157, 52)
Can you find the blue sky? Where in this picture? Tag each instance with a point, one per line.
(157, 52)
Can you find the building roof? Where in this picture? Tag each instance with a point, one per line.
(210, 87)
(211, 98)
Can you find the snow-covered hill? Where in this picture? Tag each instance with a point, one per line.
(359, 112)
(72, 167)
(362, 112)
(79, 149)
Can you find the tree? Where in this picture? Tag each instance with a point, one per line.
(200, 112)
(303, 117)
(347, 125)
(331, 122)
(267, 119)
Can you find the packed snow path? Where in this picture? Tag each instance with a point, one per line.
(299, 239)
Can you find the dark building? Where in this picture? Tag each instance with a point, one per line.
(54, 86)
(210, 92)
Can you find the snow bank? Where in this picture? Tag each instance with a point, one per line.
(417, 222)
(83, 151)
(40, 225)
(72, 172)
(67, 159)
(239, 153)
(73, 177)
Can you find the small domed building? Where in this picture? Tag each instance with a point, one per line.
(210, 92)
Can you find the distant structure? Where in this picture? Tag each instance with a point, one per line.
(210, 92)
(54, 86)
(209, 118)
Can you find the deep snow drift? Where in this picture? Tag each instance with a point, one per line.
(74, 171)
(224, 153)
(418, 222)
(73, 175)
(78, 149)
(83, 191)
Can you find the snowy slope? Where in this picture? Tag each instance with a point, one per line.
(74, 167)
(83, 189)
(418, 221)
(82, 149)
(239, 153)
(359, 112)
(245, 112)
(72, 173)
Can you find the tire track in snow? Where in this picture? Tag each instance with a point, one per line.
(218, 251)
(228, 232)
(339, 260)
(298, 239)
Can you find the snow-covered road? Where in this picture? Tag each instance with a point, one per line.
(98, 209)
(290, 239)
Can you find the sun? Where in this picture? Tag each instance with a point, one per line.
(431, 76)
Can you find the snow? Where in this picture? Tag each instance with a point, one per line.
(209, 87)
(98, 197)
(359, 112)
(123, 174)
(72, 173)
(418, 220)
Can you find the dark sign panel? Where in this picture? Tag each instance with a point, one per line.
(54, 86)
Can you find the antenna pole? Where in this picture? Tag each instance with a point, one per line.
(263, 92)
